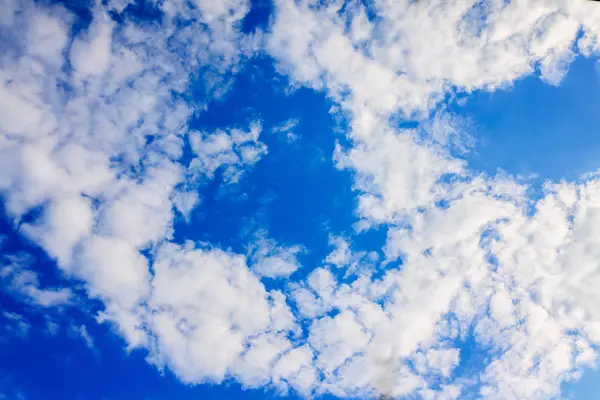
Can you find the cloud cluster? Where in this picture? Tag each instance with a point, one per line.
(94, 126)
(211, 318)
(481, 262)
(401, 56)
(234, 150)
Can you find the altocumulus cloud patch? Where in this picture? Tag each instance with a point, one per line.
(475, 290)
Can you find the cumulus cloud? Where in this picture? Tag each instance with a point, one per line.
(342, 254)
(272, 260)
(404, 59)
(94, 125)
(353, 262)
(210, 318)
(232, 150)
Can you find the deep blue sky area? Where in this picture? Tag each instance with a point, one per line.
(296, 194)
(310, 185)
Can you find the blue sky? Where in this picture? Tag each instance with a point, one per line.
(560, 122)
(273, 199)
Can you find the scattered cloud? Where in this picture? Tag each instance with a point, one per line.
(210, 317)
(272, 260)
(82, 333)
(24, 284)
(232, 150)
(286, 129)
(354, 262)
(14, 325)
(475, 261)
(94, 127)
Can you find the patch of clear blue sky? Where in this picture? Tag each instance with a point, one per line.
(587, 388)
(295, 193)
(535, 128)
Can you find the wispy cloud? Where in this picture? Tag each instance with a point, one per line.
(286, 130)
(24, 283)
(14, 325)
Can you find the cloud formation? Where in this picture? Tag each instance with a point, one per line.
(481, 250)
(94, 125)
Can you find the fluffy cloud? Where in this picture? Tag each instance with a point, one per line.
(272, 260)
(411, 52)
(233, 151)
(93, 129)
(210, 317)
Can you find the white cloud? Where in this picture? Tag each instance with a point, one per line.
(395, 173)
(234, 150)
(210, 317)
(536, 319)
(92, 53)
(92, 129)
(24, 283)
(354, 262)
(114, 271)
(286, 129)
(185, 202)
(341, 254)
(405, 59)
(272, 260)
